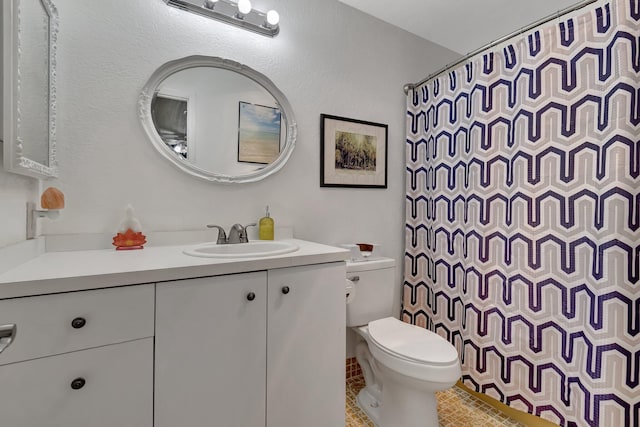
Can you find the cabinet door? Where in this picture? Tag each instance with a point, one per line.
(306, 346)
(117, 388)
(210, 352)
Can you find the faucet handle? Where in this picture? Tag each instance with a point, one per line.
(246, 235)
(222, 236)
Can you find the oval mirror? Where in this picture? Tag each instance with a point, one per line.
(217, 119)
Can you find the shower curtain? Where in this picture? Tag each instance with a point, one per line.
(522, 213)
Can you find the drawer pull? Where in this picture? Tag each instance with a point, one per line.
(7, 335)
(78, 383)
(251, 296)
(78, 322)
(285, 290)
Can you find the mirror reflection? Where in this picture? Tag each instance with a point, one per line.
(218, 119)
(29, 36)
(33, 63)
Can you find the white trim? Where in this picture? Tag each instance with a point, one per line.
(14, 161)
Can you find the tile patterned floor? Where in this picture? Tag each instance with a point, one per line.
(456, 408)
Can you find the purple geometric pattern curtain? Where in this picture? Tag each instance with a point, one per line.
(523, 211)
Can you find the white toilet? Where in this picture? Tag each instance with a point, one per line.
(403, 365)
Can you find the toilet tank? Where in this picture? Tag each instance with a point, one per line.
(372, 293)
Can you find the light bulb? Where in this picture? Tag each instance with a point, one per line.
(244, 6)
(273, 18)
(210, 4)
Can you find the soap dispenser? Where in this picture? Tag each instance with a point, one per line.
(265, 227)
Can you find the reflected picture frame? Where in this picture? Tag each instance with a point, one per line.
(174, 119)
(353, 153)
(259, 133)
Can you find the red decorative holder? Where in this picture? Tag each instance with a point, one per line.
(129, 240)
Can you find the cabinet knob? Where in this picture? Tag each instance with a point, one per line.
(78, 383)
(78, 322)
(251, 296)
(285, 290)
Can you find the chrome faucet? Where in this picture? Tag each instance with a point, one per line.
(237, 234)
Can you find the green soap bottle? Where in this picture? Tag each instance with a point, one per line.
(265, 226)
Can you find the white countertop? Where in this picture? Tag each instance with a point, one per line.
(54, 272)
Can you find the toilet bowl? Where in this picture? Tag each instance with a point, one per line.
(403, 365)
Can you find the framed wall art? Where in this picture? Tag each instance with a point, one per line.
(353, 153)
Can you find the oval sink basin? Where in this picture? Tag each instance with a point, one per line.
(254, 249)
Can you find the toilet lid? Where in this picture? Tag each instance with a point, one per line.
(412, 342)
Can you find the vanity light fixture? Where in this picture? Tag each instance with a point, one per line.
(244, 8)
(210, 4)
(240, 14)
(273, 18)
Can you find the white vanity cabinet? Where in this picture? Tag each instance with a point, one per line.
(210, 351)
(102, 387)
(78, 359)
(262, 349)
(156, 338)
(306, 323)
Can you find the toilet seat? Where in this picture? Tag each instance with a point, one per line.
(412, 342)
(413, 351)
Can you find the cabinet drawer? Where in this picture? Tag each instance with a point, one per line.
(60, 323)
(109, 386)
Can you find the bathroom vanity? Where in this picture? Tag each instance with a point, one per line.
(158, 338)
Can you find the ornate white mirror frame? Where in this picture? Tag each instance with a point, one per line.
(172, 67)
(13, 121)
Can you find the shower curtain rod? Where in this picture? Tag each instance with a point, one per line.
(529, 27)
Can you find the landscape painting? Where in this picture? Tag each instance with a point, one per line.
(258, 133)
(353, 153)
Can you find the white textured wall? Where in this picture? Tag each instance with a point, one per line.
(328, 58)
(15, 192)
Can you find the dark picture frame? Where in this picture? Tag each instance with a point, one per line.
(170, 115)
(259, 133)
(353, 153)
